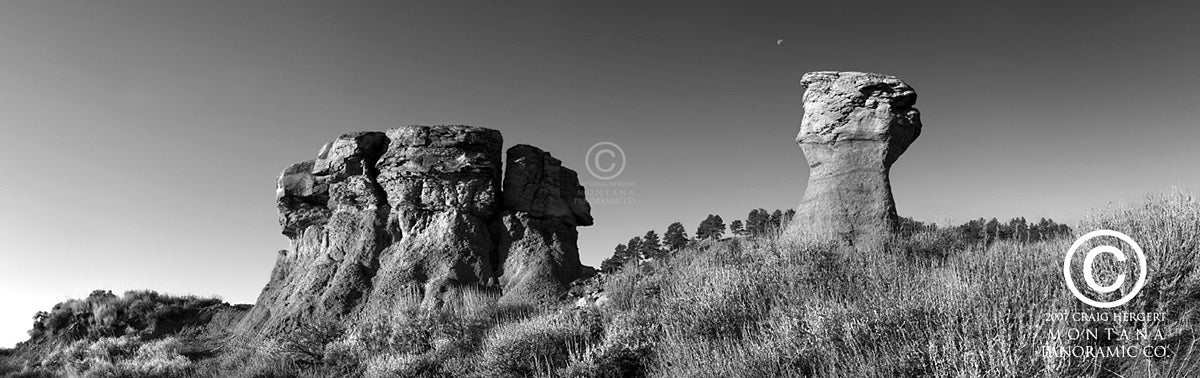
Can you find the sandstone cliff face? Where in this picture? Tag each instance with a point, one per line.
(334, 211)
(379, 216)
(443, 184)
(543, 203)
(855, 126)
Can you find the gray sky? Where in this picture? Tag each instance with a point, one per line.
(143, 138)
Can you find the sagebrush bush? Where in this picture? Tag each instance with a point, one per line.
(103, 314)
(538, 346)
(124, 356)
(627, 348)
(306, 343)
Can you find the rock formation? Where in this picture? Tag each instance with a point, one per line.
(334, 211)
(543, 203)
(379, 218)
(443, 185)
(855, 126)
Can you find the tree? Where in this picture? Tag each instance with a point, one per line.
(651, 246)
(991, 231)
(718, 227)
(635, 247)
(756, 222)
(1017, 228)
(735, 227)
(609, 265)
(1039, 229)
(972, 231)
(676, 237)
(788, 216)
(711, 228)
(619, 258)
(1047, 229)
(776, 220)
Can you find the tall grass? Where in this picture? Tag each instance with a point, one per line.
(782, 304)
(799, 306)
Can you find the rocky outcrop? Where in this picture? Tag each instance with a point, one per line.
(543, 203)
(855, 126)
(382, 217)
(334, 211)
(443, 185)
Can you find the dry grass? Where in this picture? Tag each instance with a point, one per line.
(778, 305)
(792, 306)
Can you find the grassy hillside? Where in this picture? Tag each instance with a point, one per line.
(929, 304)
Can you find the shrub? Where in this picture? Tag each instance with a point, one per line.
(120, 357)
(306, 343)
(103, 314)
(628, 346)
(538, 346)
(426, 365)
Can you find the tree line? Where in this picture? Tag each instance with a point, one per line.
(761, 222)
(989, 231)
(651, 246)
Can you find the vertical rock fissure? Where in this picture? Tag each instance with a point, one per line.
(383, 210)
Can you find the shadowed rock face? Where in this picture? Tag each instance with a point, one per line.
(543, 203)
(381, 217)
(855, 126)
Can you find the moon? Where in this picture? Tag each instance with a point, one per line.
(779, 42)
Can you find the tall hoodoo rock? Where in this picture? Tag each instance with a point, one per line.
(381, 217)
(543, 203)
(855, 126)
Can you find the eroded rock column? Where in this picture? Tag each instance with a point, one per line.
(543, 204)
(855, 126)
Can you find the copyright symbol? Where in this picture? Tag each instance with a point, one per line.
(605, 160)
(1089, 261)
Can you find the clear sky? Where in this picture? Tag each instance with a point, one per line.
(143, 139)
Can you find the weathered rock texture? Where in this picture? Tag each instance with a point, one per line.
(380, 219)
(335, 211)
(543, 203)
(855, 126)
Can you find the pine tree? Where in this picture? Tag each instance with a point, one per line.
(776, 220)
(651, 246)
(618, 259)
(711, 228)
(751, 222)
(718, 226)
(704, 230)
(635, 248)
(676, 237)
(756, 222)
(991, 231)
(735, 227)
